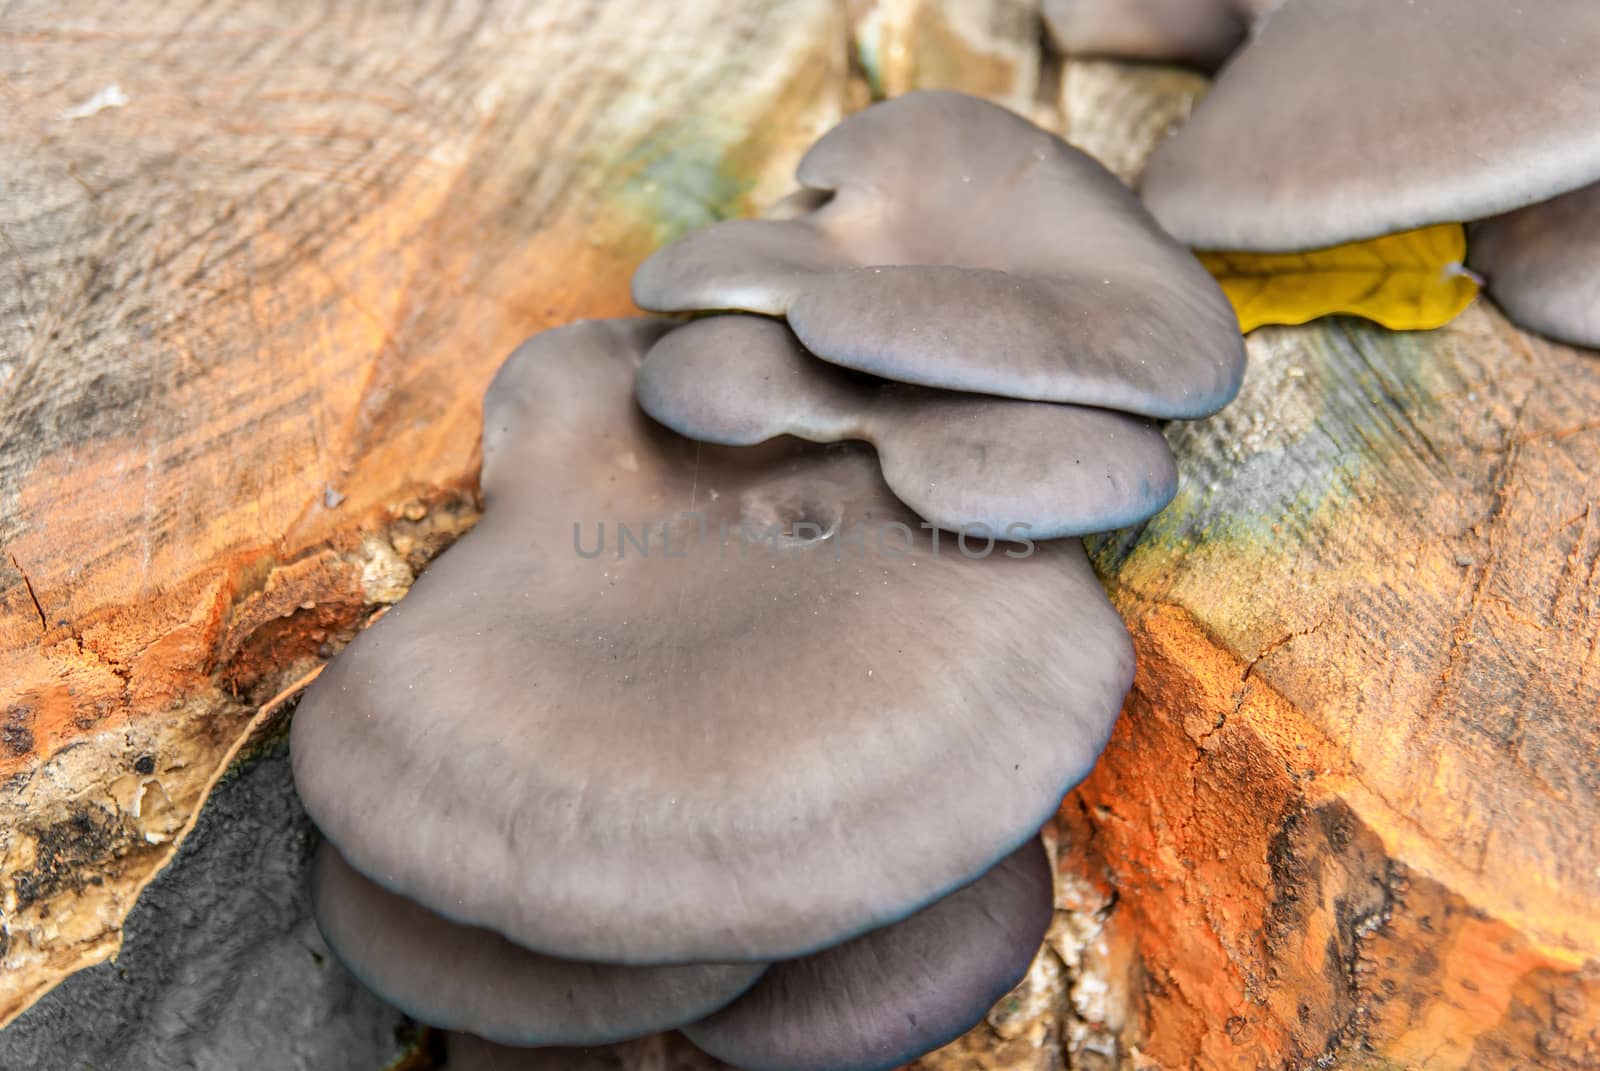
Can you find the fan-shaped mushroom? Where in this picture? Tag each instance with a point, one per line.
(871, 1003)
(896, 993)
(965, 248)
(1542, 265)
(464, 978)
(692, 747)
(962, 461)
(1347, 119)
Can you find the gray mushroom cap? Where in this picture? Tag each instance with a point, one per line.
(961, 461)
(1346, 119)
(1201, 33)
(465, 978)
(894, 994)
(966, 248)
(734, 753)
(1542, 265)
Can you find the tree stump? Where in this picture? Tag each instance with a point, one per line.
(258, 265)
(1351, 814)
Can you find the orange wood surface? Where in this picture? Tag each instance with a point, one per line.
(259, 262)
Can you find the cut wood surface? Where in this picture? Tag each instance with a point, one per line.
(259, 262)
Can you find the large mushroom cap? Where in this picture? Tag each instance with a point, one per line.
(465, 978)
(961, 461)
(1346, 119)
(968, 249)
(741, 752)
(1542, 264)
(894, 994)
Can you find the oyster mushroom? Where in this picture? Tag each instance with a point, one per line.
(1347, 119)
(874, 1002)
(961, 461)
(962, 247)
(463, 978)
(894, 994)
(716, 749)
(1542, 265)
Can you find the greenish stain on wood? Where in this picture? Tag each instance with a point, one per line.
(684, 177)
(1354, 406)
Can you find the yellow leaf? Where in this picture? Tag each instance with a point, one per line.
(1407, 282)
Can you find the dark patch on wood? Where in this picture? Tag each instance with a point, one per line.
(221, 965)
(1324, 857)
(64, 850)
(16, 731)
(289, 641)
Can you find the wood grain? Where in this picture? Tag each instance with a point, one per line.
(1351, 816)
(249, 311)
(1349, 819)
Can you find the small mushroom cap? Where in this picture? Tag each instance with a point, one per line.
(709, 752)
(1542, 264)
(1201, 33)
(961, 461)
(966, 248)
(894, 994)
(465, 978)
(1345, 120)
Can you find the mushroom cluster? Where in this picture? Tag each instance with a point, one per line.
(722, 719)
(1341, 120)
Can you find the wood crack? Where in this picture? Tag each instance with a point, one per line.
(44, 624)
